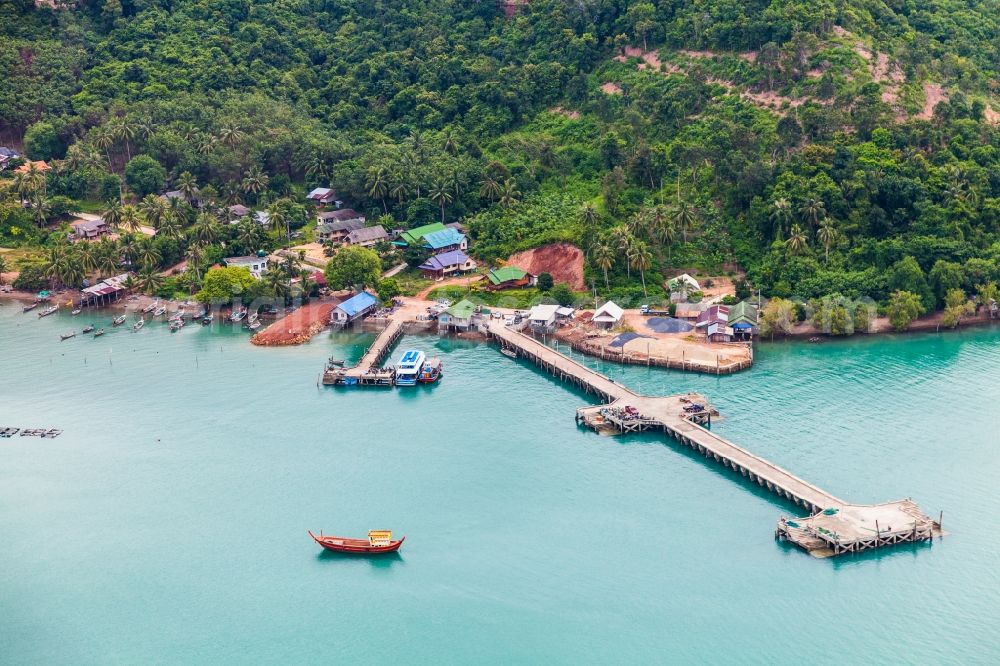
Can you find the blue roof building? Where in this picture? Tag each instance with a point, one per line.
(446, 239)
(355, 307)
(453, 261)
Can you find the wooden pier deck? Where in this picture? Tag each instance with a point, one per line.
(367, 371)
(835, 525)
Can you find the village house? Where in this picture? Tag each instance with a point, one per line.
(336, 231)
(461, 316)
(445, 240)
(367, 236)
(714, 323)
(542, 318)
(7, 155)
(256, 265)
(689, 310)
(446, 263)
(236, 211)
(106, 291)
(322, 195)
(509, 277)
(40, 165)
(681, 285)
(564, 314)
(608, 315)
(416, 236)
(354, 308)
(89, 229)
(743, 320)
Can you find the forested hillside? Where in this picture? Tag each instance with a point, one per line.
(822, 147)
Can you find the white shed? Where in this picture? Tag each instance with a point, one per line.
(608, 315)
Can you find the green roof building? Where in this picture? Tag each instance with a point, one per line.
(508, 277)
(416, 236)
(743, 313)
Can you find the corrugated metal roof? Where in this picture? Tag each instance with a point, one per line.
(443, 238)
(414, 236)
(445, 259)
(357, 303)
(506, 274)
(462, 310)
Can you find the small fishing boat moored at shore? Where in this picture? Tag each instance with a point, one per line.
(47, 311)
(31, 306)
(176, 324)
(238, 315)
(67, 336)
(409, 367)
(99, 332)
(254, 325)
(118, 321)
(89, 328)
(432, 371)
(378, 541)
(76, 311)
(207, 319)
(150, 308)
(507, 351)
(138, 325)
(160, 311)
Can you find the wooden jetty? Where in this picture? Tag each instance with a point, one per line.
(833, 527)
(368, 371)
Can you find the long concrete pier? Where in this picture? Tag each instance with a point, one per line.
(834, 527)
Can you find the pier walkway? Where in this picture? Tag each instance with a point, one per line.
(368, 371)
(834, 527)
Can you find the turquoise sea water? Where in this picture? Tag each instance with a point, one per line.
(168, 523)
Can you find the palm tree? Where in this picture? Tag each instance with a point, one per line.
(318, 167)
(827, 235)
(113, 215)
(41, 208)
(149, 281)
(145, 128)
(149, 256)
(797, 241)
(170, 227)
(509, 194)
(440, 193)
(254, 181)
(130, 220)
(231, 134)
(623, 240)
(248, 235)
(813, 210)
(129, 249)
(780, 215)
(640, 258)
(187, 184)
(108, 258)
(88, 257)
(685, 217)
(280, 216)
(153, 209)
(205, 229)
(125, 130)
(56, 264)
(490, 188)
(104, 141)
(378, 185)
(399, 187)
(450, 143)
(195, 256)
(206, 144)
(589, 215)
(603, 255)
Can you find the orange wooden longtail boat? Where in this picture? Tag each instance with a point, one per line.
(378, 541)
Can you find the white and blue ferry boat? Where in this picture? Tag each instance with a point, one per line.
(409, 367)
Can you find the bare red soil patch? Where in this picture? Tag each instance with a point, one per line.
(561, 260)
(298, 327)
